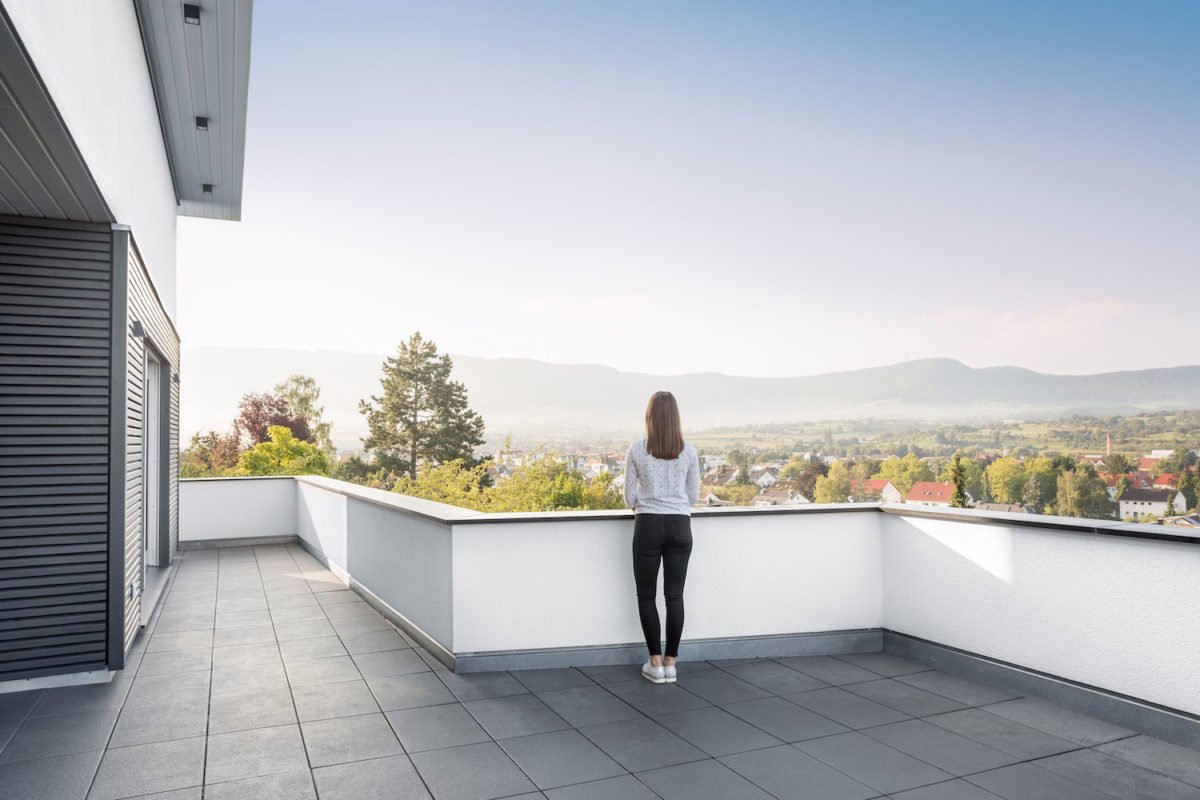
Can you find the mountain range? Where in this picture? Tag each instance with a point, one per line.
(531, 398)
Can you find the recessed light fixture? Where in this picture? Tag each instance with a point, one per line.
(191, 13)
(201, 123)
(206, 188)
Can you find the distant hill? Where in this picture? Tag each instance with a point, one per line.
(535, 398)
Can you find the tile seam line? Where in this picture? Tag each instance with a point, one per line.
(312, 780)
(361, 677)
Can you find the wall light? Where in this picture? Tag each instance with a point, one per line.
(201, 123)
(137, 329)
(206, 188)
(191, 13)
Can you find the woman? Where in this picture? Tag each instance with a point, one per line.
(662, 482)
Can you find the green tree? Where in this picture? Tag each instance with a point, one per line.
(958, 477)
(1081, 493)
(284, 454)
(1189, 486)
(1031, 497)
(422, 416)
(863, 469)
(1119, 464)
(210, 455)
(549, 485)
(806, 484)
(833, 487)
(972, 469)
(1006, 478)
(454, 482)
(985, 496)
(1122, 486)
(740, 459)
(794, 468)
(354, 470)
(904, 472)
(302, 394)
(602, 492)
(1042, 468)
(738, 495)
(1182, 459)
(258, 412)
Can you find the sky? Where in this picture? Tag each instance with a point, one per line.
(747, 187)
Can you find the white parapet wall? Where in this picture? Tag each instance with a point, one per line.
(395, 548)
(1109, 611)
(227, 509)
(566, 580)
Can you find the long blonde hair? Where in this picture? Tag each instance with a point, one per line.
(664, 433)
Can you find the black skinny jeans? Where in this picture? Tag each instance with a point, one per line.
(666, 538)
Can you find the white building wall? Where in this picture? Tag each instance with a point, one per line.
(89, 54)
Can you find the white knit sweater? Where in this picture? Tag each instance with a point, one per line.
(660, 485)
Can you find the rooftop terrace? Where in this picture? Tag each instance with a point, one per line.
(262, 676)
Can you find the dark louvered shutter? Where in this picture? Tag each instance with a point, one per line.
(55, 306)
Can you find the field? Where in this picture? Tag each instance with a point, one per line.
(1132, 435)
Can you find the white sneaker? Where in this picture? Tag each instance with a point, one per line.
(652, 673)
(670, 674)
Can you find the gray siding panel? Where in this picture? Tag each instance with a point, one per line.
(144, 307)
(55, 305)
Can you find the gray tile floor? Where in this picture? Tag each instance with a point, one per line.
(262, 677)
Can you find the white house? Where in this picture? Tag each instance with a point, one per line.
(1138, 503)
(933, 493)
(875, 489)
(769, 498)
(764, 477)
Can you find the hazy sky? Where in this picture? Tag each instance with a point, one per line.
(757, 188)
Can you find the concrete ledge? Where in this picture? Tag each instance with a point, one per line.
(797, 644)
(1172, 725)
(249, 541)
(58, 681)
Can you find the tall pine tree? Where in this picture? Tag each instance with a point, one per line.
(958, 477)
(1031, 498)
(422, 417)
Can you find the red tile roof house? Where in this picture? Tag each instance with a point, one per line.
(933, 493)
(875, 489)
(1168, 480)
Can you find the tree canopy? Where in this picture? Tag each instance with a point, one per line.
(292, 407)
(284, 454)
(833, 487)
(258, 412)
(958, 479)
(1006, 478)
(904, 472)
(1081, 493)
(302, 395)
(545, 485)
(210, 454)
(421, 417)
